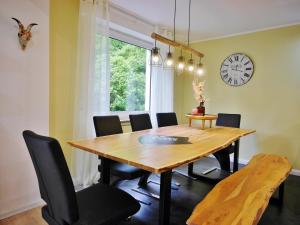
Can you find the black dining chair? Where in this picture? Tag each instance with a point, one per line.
(223, 156)
(143, 122)
(96, 205)
(140, 122)
(109, 125)
(170, 119)
(166, 119)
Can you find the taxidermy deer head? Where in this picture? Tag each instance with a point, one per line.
(24, 34)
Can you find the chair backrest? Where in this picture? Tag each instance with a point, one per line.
(228, 120)
(55, 182)
(166, 119)
(107, 125)
(140, 122)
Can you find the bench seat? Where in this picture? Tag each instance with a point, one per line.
(241, 198)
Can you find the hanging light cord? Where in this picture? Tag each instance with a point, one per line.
(174, 21)
(189, 23)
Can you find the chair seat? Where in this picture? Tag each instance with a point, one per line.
(126, 172)
(97, 205)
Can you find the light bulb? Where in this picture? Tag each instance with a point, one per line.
(191, 68)
(155, 55)
(181, 63)
(169, 60)
(191, 65)
(200, 69)
(155, 58)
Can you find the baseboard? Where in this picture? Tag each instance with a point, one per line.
(13, 212)
(294, 172)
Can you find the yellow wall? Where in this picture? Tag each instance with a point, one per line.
(63, 44)
(270, 102)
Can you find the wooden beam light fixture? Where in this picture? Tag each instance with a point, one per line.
(169, 62)
(176, 44)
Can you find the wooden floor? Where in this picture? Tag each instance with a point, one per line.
(183, 201)
(31, 217)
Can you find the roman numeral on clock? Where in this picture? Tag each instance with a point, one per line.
(246, 75)
(236, 58)
(225, 76)
(230, 60)
(229, 80)
(248, 68)
(247, 63)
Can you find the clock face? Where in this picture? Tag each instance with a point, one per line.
(237, 69)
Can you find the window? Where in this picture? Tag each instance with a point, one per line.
(130, 77)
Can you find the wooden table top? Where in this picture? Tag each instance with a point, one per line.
(161, 157)
(200, 117)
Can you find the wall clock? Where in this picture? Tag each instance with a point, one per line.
(237, 69)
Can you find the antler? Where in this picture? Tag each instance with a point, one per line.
(21, 27)
(30, 26)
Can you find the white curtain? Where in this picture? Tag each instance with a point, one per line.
(162, 83)
(91, 85)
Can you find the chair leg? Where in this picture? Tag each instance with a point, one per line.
(148, 194)
(144, 180)
(173, 183)
(190, 172)
(223, 159)
(114, 184)
(157, 183)
(190, 168)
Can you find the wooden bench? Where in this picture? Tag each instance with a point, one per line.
(243, 197)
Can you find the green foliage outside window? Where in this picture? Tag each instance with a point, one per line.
(128, 76)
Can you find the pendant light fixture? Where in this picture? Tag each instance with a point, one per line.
(191, 64)
(169, 59)
(200, 70)
(181, 61)
(156, 59)
(181, 64)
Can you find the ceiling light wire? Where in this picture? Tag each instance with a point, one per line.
(190, 1)
(174, 21)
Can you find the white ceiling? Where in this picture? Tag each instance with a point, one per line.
(215, 18)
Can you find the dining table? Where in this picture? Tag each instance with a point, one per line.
(160, 150)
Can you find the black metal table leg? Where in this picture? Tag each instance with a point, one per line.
(165, 198)
(104, 169)
(236, 156)
(190, 169)
(281, 192)
(224, 159)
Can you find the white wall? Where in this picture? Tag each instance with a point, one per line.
(24, 100)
